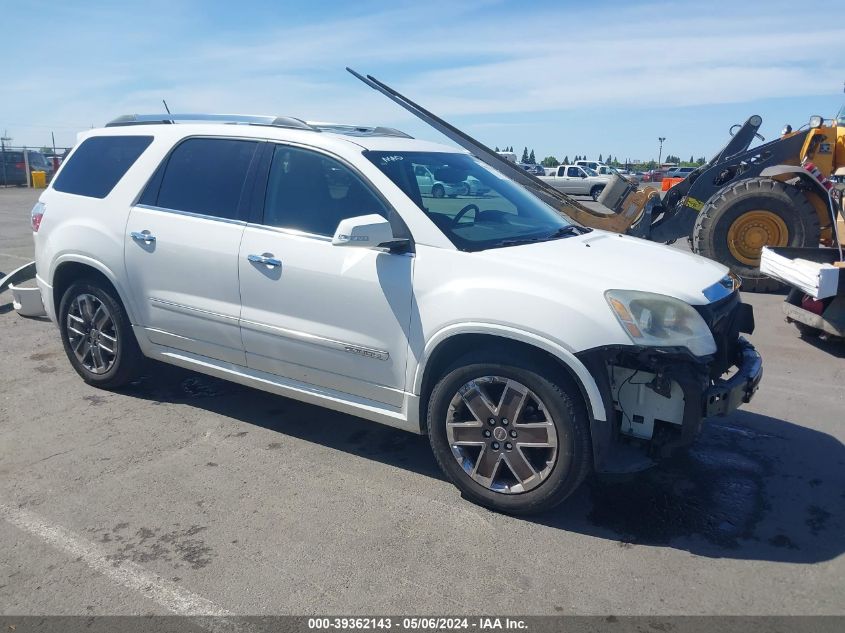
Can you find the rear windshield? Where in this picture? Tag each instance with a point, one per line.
(99, 163)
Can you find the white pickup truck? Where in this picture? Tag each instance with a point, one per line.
(577, 180)
(600, 168)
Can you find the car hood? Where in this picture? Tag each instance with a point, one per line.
(602, 261)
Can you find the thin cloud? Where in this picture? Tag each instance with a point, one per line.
(462, 60)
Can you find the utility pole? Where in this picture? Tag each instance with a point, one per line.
(3, 140)
(660, 154)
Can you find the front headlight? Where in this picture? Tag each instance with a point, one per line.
(660, 321)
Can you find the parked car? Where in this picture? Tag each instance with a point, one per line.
(533, 169)
(591, 164)
(679, 172)
(529, 350)
(429, 185)
(577, 180)
(474, 187)
(601, 169)
(653, 175)
(13, 172)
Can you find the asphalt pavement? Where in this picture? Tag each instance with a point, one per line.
(187, 493)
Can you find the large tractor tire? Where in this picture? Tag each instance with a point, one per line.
(739, 220)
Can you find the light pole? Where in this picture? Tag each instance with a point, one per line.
(660, 154)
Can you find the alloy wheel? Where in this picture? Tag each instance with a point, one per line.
(91, 333)
(501, 434)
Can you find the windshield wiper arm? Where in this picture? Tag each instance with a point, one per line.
(564, 231)
(568, 231)
(519, 240)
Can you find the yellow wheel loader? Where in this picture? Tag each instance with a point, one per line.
(741, 200)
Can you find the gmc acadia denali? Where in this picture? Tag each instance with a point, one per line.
(303, 259)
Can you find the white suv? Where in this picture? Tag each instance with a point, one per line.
(302, 259)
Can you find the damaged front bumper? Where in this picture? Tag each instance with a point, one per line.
(659, 398)
(726, 395)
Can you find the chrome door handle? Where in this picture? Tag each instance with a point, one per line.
(143, 236)
(267, 259)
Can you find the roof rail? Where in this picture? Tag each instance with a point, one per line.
(357, 130)
(257, 119)
(244, 119)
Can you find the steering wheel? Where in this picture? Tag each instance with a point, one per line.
(463, 212)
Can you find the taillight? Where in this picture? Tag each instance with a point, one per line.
(19, 165)
(36, 215)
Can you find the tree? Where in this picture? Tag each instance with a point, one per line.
(524, 158)
(497, 149)
(701, 160)
(532, 160)
(549, 161)
(510, 149)
(566, 159)
(691, 159)
(600, 160)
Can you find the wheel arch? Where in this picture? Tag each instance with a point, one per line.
(815, 193)
(69, 268)
(454, 341)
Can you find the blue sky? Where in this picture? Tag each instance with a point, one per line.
(588, 77)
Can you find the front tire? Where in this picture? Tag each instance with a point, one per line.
(97, 335)
(595, 192)
(511, 434)
(736, 223)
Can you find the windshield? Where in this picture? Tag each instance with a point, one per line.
(590, 172)
(475, 206)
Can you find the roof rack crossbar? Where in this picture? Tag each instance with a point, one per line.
(246, 119)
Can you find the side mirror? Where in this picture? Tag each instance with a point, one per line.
(366, 231)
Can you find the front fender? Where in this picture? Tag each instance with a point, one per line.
(585, 380)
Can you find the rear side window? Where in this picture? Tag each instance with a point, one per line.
(99, 163)
(205, 176)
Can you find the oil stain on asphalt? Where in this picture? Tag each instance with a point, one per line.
(179, 546)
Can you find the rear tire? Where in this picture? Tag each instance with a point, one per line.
(547, 400)
(437, 191)
(97, 335)
(738, 221)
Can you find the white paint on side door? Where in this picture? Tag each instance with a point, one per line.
(186, 281)
(330, 316)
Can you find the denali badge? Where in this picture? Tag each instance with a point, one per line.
(369, 353)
